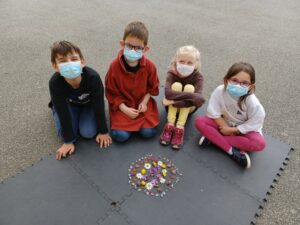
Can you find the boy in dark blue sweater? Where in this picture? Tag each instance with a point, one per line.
(77, 99)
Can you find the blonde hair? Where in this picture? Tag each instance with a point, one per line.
(190, 49)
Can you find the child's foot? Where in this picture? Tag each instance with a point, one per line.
(166, 135)
(177, 139)
(204, 141)
(242, 158)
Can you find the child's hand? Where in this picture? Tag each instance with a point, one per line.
(64, 150)
(104, 140)
(130, 112)
(228, 131)
(142, 107)
(167, 102)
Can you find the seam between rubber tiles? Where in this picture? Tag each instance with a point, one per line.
(96, 187)
(246, 192)
(261, 202)
(90, 181)
(225, 178)
(259, 211)
(118, 211)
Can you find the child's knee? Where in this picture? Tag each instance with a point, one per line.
(260, 144)
(200, 123)
(120, 135)
(88, 133)
(189, 88)
(176, 86)
(148, 132)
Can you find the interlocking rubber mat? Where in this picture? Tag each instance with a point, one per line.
(91, 186)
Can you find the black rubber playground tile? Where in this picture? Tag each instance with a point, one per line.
(50, 193)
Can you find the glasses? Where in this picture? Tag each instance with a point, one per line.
(243, 83)
(136, 48)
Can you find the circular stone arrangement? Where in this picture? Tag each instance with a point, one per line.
(153, 175)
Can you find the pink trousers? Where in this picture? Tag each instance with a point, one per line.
(250, 142)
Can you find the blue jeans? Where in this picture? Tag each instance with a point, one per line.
(83, 121)
(123, 135)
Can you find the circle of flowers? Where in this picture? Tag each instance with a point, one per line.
(153, 175)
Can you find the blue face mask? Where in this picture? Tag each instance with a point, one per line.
(70, 70)
(132, 55)
(236, 90)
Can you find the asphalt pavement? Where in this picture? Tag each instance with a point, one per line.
(263, 33)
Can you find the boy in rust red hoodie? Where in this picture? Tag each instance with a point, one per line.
(130, 82)
(183, 94)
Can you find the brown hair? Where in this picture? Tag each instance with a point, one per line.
(64, 48)
(234, 70)
(136, 29)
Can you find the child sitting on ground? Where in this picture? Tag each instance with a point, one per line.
(183, 94)
(234, 117)
(77, 99)
(129, 84)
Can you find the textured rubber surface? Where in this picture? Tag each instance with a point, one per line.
(91, 187)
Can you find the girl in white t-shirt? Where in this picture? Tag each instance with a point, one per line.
(234, 117)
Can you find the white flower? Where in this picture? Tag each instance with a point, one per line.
(164, 171)
(159, 163)
(149, 186)
(162, 180)
(147, 166)
(139, 175)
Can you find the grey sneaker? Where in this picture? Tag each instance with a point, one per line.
(242, 158)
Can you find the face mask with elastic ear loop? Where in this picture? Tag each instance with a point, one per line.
(184, 70)
(236, 90)
(70, 70)
(132, 55)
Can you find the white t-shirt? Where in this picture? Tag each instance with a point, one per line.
(251, 118)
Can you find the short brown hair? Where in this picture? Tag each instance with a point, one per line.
(64, 48)
(136, 29)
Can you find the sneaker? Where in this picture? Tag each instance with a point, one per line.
(166, 135)
(242, 158)
(177, 139)
(204, 141)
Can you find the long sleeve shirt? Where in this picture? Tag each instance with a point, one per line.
(185, 99)
(90, 91)
(222, 104)
(129, 88)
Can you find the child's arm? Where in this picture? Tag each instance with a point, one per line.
(216, 112)
(58, 98)
(256, 115)
(225, 129)
(143, 105)
(112, 90)
(102, 138)
(167, 102)
(152, 88)
(128, 111)
(184, 99)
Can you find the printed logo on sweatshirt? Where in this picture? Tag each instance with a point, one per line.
(83, 96)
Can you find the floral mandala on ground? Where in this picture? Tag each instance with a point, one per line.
(153, 175)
